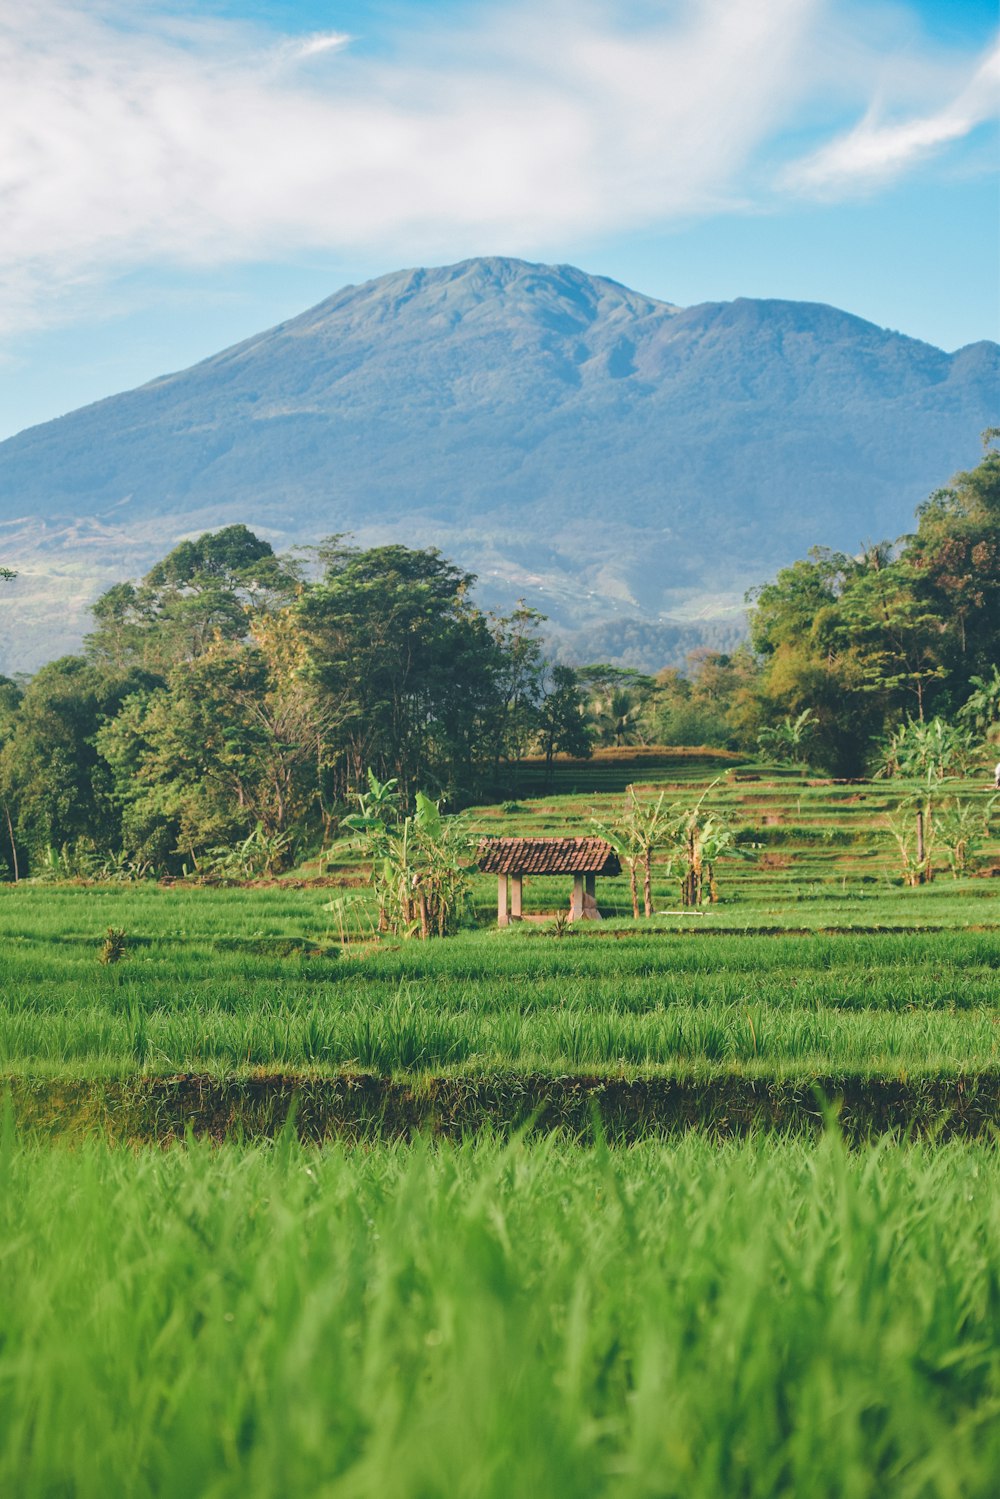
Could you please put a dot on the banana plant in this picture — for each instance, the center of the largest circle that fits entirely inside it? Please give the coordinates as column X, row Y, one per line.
column 787, row 740
column 960, row 829
column 420, row 863
column 934, row 749
column 635, row 834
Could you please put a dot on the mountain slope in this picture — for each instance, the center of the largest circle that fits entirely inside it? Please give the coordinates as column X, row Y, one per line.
column 608, row 456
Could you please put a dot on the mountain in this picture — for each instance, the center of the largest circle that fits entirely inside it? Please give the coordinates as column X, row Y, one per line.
column 628, row 466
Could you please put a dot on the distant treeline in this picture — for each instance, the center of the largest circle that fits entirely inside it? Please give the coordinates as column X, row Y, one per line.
column 236, row 698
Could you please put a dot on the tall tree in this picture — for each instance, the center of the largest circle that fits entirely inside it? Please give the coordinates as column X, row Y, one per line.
column 561, row 718
column 52, row 778
column 205, row 589
column 407, row 664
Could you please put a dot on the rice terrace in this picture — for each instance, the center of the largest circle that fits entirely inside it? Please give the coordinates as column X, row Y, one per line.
column 710, row 1196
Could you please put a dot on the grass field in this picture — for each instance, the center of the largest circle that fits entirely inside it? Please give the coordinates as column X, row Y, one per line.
column 461, row 1289
column 684, row 1321
column 820, row 960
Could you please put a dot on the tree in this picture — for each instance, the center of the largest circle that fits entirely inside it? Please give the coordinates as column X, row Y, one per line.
column 911, row 825
column 714, row 701
column 698, row 837
column 956, row 554
column 932, row 750
column 560, row 718
column 895, row 633
column 808, row 662
column 419, row 864
column 519, row 684
column 789, row 738
column 230, row 742
column 616, row 699
column 960, row 829
column 56, row 787
column 981, row 710
column 408, row 666
column 205, row 589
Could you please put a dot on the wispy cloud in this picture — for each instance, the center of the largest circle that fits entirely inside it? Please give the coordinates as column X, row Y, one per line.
column 136, row 133
column 877, row 150
column 314, row 45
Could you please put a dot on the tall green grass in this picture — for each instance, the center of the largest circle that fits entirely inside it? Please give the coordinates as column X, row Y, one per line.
column 815, row 962
column 224, row 980
column 690, row 1321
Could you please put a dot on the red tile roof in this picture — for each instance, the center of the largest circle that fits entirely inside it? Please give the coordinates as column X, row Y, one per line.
column 547, row 856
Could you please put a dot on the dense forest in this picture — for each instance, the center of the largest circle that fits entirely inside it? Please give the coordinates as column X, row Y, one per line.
column 229, row 705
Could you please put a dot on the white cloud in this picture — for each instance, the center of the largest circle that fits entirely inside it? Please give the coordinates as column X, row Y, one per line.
column 135, row 134
column 129, row 134
column 320, row 41
column 877, row 151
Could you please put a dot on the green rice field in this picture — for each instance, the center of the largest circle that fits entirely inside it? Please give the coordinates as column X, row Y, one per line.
column 815, row 960
column 689, row 1321
column 701, row 1205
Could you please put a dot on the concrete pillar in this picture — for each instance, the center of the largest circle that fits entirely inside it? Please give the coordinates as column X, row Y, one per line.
column 592, row 886
column 502, row 917
column 515, row 897
column 576, row 906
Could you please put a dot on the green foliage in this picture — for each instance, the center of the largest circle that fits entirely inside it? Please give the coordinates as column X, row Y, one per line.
column 789, row 738
column 256, row 856
column 229, row 703
column 561, row 725
column 52, row 778
column 910, row 826
column 931, row 751
column 960, row 830
column 904, row 632
column 205, row 590
column 408, row 666
column 981, row 710
column 419, row 863
column 616, row 701
column 640, row 827
column 713, row 702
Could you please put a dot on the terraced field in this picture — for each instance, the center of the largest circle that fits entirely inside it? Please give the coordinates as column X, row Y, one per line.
column 705, row 1204
column 817, row 969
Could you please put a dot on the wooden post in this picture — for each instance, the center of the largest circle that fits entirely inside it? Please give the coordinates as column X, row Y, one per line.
column 502, row 917
column 921, row 872
column 515, row 897
column 592, row 886
column 576, row 905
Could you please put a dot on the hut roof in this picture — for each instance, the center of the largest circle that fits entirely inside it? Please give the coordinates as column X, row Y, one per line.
column 547, row 856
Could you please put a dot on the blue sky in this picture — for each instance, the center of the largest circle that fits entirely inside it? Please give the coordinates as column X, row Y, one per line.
column 177, row 177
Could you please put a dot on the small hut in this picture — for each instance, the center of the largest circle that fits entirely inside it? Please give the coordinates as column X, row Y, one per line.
column 513, row 859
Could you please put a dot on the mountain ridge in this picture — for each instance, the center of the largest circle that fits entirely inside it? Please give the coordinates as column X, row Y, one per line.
column 610, row 456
